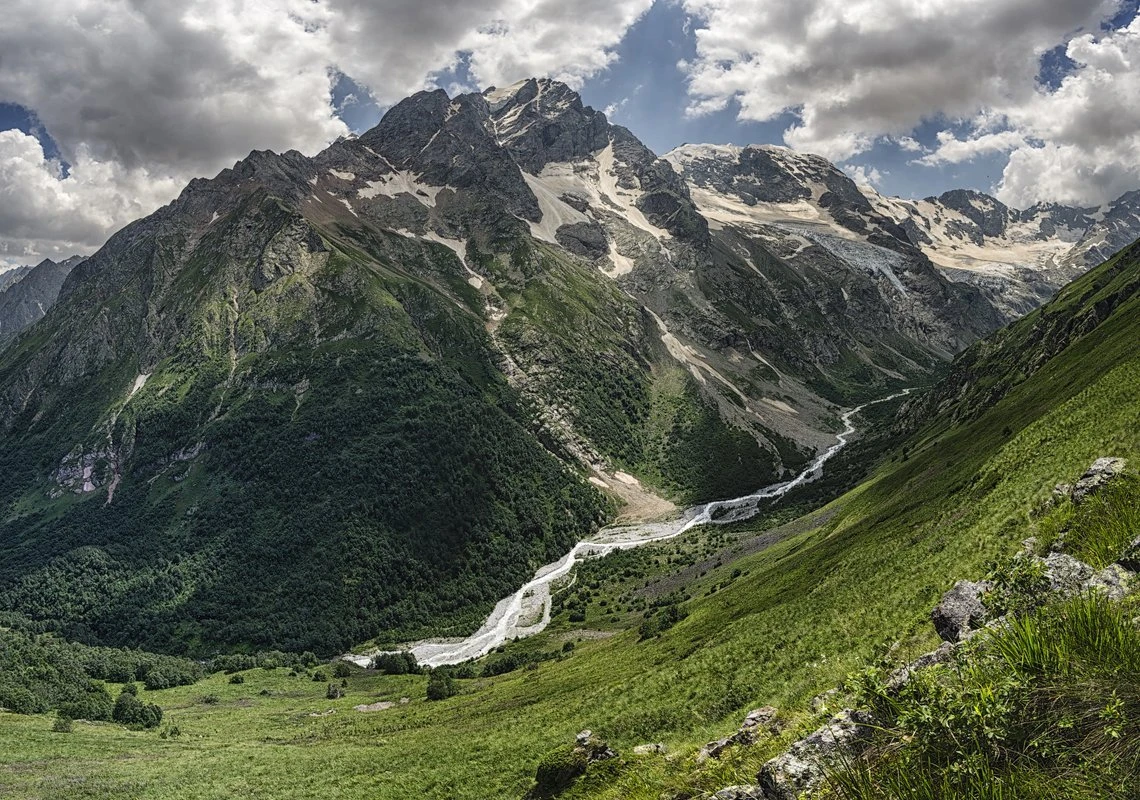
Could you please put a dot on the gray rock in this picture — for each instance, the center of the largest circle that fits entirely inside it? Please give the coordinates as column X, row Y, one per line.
column 1131, row 558
column 960, row 610
column 1101, row 472
column 821, row 701
column 1114, row 582
column 1066, row 575
column 901, row 676
column 713, row 749
column 760, row 718
column 586, row 239
column 757, row 720
column 649, row 749
column 595, row 748
column 26, row 300
column 803, row 767
column 740, row 793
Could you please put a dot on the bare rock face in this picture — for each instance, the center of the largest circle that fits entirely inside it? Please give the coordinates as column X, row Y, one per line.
column 83, row 471
column 960, row 610
column 761, row 719
column 803, row 768
column 1101, row 472
column 26, row 294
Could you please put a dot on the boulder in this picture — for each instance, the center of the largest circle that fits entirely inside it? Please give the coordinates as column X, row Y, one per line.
column 649, row 749
column 563, row 765
column 1066, row 575
column 803, row 768
column 960, row 610
column 1101, row 472
column 1114, row 582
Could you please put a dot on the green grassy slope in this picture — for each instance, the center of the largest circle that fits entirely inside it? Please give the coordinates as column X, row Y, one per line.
column 309, row 464
column 851, row 584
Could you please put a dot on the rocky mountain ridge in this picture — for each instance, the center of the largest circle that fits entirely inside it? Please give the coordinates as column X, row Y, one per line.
column 1018, row 258
column 26, row 293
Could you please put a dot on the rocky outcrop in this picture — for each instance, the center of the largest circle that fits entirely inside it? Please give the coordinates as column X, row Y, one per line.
column 593, row 746
column 1114, row 581
column 82, row 471
column 960, row 610
column 1130, row 560
column 652, row 749
column 758, row 721
column 1095, row 477
column 1066, row 575
column 740, row 793
column 901, row 676
column 803, row 768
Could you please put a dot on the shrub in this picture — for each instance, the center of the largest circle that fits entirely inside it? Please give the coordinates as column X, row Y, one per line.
column 62, row 724
column 402, row 663
column 664, row 619
column 441, row 686
column 94, row 703
column 319, row 677
column 21, row 700
column 334, row 692
column 236, row 679
column 1020, row 585
column 156, row 680
column 129, row 710
column 341, row 670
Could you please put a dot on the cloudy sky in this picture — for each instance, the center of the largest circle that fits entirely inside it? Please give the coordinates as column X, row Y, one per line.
column 108, row 107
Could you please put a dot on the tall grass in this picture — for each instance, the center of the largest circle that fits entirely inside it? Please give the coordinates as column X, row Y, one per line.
column 1105, row 524
column 1046, row 707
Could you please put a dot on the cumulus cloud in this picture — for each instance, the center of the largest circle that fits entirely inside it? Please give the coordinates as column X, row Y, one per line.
column 952, row 150
column 865, row 175
column 156, row 93
column 1083, row 139
column 852, row 71
column 44, row 213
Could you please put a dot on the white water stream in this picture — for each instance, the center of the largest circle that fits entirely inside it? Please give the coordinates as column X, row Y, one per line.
column 527, row 611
